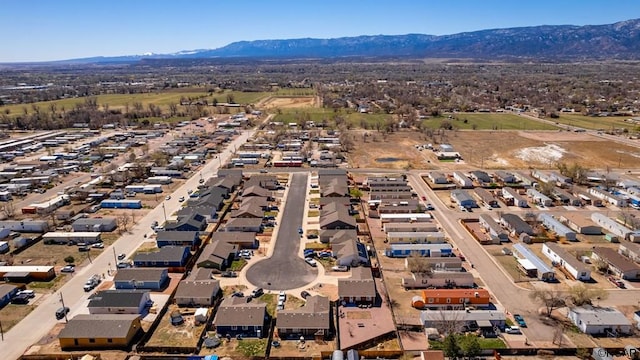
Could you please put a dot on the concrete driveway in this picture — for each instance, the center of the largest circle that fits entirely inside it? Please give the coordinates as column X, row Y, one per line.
column 285, row 270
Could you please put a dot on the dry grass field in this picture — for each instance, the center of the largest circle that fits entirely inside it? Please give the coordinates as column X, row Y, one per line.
column 286, row 102
column 491, row 150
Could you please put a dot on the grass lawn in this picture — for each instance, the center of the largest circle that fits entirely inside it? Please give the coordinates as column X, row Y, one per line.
column 495, row 343
column 314, row 191
column 489, row 121
column 295, row 92
column 237, row 265
column 252, row 347
column 596, row 122
column 11, row 314
column 315, row 246
column 272, row 301
column 313, row 213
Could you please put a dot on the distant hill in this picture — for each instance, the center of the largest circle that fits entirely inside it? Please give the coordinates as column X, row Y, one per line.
column 563, row 42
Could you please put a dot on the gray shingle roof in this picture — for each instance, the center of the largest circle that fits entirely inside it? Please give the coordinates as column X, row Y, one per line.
column 98, row 326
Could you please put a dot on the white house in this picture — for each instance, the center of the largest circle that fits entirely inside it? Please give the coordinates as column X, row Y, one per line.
column 538, row 197
column 511, row 195
column 599, row 321
column 570, row 263
column 438, row 177
column 611, row 225
column 416, row 237
column 462, row 180
column 607, row 197
column 557, row 227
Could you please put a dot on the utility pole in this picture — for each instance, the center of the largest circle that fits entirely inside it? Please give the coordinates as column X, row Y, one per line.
column 64, row 309
column 115, row 257
column 1, row 331
column 164, row 211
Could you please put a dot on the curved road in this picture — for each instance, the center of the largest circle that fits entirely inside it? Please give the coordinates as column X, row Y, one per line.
column 285, row 270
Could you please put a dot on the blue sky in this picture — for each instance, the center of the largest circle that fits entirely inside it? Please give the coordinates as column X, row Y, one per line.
column 40, row 30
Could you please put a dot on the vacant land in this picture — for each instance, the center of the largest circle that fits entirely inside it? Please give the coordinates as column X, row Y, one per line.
column 487, row 121
column 605, row 123
column 283, row 102
column 393, row 151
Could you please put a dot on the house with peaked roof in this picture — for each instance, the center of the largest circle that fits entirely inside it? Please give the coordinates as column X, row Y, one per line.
column 516, row 225
column 100, row 331
column 594, row 320
column 217, row 255
column 106, row 224
column 244, row 224
column 266, row 181
column 360, row 288
column 194, row 293
column 349, row 252
column 330, row 236
column 336, row 217
column 7, row 292
column 190, row 239
column 191, row 222
column 618, row 264
column 452, row 299
column 244, row 239
column 248, row 210
column 236, row 316
column 311, row 320
column 175, row 258
column 256, row 190
column 119, row 302
column 137, row 278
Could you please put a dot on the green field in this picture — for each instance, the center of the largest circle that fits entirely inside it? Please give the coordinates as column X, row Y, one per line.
column 488, row 121
column 119, row 101
column 295, row 92
column 604, row 123
column 318, row 115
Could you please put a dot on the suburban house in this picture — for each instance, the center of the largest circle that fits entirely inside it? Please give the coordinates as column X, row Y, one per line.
column 189, row 239
column 486, row 197
column 580, row 224
column 192, row 222
column 513, row 198
column 428, row 250
column 530, row 264
column 100, row 331
column 244, row 239
column 331, row 236
column 408, row 237
column 174, row 258
column 360, row 288
column 248, row 210
column 451, row 299
column 349, row 252
column 618, row 264
column 600, row 321
column 630, row 250
column 484, row 320
column 106, row 224
column 256, row 190
column 7, row 292
column 462, row 180
column 438, row 178
column 244, row 224
column 538, row 197
column 136, row 278
column 516, row 225
column 312, row 320
column 335, row 217
column 560, row 229
column 611, row 225
column 492, row 228
column 217, row 255
column 193, row 293
column 119, row 302
column 440, row 279
column 236, row 316
column 569, row 263
column 462, row 198
column 505, row 177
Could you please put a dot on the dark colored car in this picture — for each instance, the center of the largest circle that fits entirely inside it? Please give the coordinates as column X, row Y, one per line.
column 21, row 299
column 305, row 294
column 229, row 274
column 61, row 312
column 520, row 320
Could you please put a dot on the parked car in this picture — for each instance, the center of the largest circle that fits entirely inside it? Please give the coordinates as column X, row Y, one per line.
column 304, row 294
column 181, row 199
column 340, row 268
column 512, row 330
column 300, row 231
column 61, row 312
column 123, row 265
column 520, row 320
column 98, row 245
column 263, row 171
column 229, row 274
column 282, row 296
column 312, row 236
column 257, row 292
column 238, row 294
column 430, row 207
column 92, row 282
column 29, row 293
column 168, row 197
column 311, row 262
column 121, row 256
column 20, row 299
column 84, row 249
column 617, row 282
column 68, row 269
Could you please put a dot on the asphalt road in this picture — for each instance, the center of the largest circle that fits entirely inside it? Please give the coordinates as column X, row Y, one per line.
column 285, row 270
column 38, row 323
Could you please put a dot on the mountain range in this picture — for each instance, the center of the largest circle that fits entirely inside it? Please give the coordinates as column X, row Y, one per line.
column 619, row 41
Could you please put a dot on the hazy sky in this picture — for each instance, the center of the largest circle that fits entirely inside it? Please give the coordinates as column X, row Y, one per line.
column 40, row 30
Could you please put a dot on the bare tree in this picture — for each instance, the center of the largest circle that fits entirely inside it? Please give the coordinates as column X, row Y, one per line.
column 9, row 209
column 581, row 295
column 123, row 223
column 550, row 299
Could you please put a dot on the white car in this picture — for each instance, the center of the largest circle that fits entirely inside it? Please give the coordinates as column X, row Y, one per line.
column 168, row 197
column 340, row 268
column 282, row 296
column 311, row 262
column 512, row 330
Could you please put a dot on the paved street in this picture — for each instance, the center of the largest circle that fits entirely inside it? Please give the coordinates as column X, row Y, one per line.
column 38, row 323
column 285, row 270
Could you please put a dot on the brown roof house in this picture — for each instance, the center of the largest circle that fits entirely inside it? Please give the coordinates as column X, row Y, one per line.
column 309, row 321
column 256, row 190
column 360, row 288
column 236, row 316
column 92, row 331
column 618, row 264
column 248, row 210
column 194, row 293
column 335, row 217
column 217, row 255
column 244, row 239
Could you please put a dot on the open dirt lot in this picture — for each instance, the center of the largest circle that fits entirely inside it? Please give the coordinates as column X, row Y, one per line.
column 291, row 102
column 491, row 149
